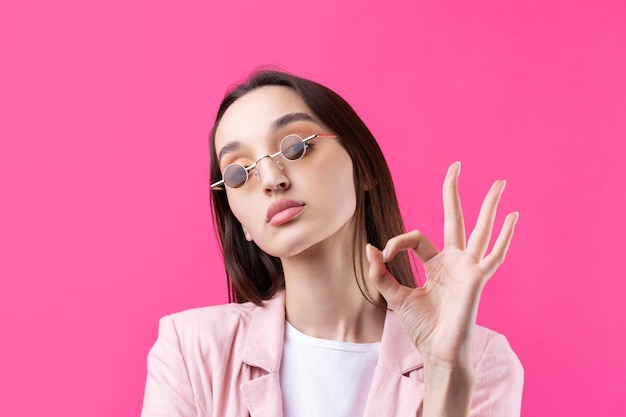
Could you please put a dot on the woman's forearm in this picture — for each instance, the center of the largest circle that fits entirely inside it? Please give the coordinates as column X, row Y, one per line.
column 448, row 389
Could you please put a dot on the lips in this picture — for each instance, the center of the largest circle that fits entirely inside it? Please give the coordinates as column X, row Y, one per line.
column 283, row 210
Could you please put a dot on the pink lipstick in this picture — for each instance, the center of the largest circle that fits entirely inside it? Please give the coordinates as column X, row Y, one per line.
column 283, row 210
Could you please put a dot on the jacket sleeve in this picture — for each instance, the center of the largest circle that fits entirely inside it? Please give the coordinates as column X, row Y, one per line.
column 168, row 387
column 500, row 379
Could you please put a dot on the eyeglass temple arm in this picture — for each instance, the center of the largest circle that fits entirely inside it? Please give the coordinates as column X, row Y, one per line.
column 217, row 185
column 318, row 135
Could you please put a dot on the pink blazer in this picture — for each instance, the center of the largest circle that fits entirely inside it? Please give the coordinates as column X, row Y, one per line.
column 224, row 361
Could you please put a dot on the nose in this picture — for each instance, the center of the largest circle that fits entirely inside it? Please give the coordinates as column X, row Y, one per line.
column 270, row 174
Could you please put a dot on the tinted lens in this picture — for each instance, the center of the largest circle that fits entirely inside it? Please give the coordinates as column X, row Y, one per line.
column 292, row 147
column 235, row 175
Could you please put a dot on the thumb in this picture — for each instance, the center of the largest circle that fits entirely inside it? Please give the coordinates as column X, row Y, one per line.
column 385, row 283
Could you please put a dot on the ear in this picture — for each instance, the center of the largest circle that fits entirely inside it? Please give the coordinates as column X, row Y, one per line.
column 246, row 234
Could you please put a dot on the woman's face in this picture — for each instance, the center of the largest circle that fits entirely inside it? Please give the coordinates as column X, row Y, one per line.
column 311, row 200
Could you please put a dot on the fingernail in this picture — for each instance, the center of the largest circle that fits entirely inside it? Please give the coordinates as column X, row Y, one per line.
column 367, row 252
column 498, row 186
column 385, row 254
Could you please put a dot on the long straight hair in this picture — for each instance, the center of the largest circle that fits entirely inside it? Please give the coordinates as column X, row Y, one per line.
column 252, row 274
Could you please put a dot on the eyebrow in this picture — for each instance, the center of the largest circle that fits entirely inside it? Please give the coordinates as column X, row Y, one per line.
column 290, row 118
column 276, row 125
column 229, row 147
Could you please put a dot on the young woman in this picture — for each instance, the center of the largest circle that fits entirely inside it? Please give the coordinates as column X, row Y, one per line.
column 325, row 323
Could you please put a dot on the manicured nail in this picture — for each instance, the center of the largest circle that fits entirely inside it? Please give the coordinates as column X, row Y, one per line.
column 385, row 254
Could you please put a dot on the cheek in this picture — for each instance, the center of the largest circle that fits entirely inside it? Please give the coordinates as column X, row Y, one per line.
column 240, row 206
column 338, row 190
column 340, row 175
column 336, row 186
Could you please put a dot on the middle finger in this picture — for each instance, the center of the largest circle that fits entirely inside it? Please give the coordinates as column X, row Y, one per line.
column 453, row 226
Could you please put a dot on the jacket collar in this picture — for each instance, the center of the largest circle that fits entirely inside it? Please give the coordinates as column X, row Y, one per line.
column 264, row 344
column 395, row 389
column 263, row 351
column 397, row 352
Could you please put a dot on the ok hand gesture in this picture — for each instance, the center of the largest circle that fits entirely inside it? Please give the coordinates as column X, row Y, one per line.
column 440, row 315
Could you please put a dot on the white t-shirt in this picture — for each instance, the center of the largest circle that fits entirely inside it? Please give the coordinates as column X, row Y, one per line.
column 325, row 378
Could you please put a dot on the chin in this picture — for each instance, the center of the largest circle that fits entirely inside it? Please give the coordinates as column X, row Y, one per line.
column 286, row 249
column 312, row 245
column 300, row 237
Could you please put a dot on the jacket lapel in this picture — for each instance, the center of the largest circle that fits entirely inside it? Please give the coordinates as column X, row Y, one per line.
column 262, row 353
column 262, row 396
column 397, row 387
column 398, row 384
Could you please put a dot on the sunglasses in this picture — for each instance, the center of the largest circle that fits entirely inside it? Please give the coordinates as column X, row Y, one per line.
column 292, row 148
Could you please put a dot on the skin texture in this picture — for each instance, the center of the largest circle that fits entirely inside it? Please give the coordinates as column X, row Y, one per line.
column 322, row 296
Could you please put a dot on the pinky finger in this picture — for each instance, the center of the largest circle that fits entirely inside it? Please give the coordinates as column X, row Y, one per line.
column 492, row 261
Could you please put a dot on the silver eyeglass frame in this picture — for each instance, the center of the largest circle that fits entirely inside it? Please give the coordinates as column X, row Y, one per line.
column 221, row 184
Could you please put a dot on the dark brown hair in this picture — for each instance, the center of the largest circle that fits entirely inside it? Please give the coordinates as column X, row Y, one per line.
column 252, row 274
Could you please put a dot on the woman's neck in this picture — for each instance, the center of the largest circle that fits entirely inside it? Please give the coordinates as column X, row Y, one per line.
column 323, row 298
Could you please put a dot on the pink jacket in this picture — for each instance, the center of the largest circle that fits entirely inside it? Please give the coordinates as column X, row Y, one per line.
column 224, row 361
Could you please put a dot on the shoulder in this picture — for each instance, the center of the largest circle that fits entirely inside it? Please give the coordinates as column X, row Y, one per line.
column 224, row 329
column 207, row 325
column 201, row 343
column 219, row 315
column 194, row 351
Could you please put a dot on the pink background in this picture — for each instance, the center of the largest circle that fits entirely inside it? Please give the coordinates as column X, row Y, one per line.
column 105, row 109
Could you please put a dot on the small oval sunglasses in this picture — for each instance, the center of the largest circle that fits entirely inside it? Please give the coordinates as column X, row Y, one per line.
column 292, row 148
